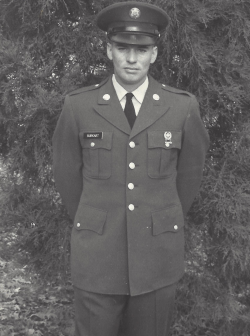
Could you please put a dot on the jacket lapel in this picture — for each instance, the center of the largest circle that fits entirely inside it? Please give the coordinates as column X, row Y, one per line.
column 153, row 108
column 109, row 107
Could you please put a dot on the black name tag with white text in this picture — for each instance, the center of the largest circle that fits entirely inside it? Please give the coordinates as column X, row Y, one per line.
column 93, row 135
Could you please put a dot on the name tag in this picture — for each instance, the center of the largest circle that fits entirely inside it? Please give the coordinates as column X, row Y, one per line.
column 93, row 135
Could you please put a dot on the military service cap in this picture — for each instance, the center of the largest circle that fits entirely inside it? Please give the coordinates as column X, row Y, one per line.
column 133, row 22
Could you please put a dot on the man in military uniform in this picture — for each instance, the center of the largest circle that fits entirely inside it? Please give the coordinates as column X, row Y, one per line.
column 128, row 161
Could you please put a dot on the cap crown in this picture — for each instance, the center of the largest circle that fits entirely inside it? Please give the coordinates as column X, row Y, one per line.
column 124, row 19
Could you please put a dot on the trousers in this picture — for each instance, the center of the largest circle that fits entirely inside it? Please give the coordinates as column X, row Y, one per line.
column 148, row 314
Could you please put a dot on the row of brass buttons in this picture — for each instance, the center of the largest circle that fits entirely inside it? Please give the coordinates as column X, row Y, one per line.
column 131, row 186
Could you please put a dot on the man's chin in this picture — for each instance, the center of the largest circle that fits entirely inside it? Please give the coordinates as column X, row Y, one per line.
column 130, row 79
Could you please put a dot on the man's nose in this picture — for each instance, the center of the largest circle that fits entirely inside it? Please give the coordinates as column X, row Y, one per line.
column 131, row 56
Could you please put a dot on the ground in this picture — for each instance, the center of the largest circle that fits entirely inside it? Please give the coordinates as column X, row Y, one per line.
column 28, row 306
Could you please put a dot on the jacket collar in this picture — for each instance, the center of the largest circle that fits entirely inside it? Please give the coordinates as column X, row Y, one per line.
column 153, row 107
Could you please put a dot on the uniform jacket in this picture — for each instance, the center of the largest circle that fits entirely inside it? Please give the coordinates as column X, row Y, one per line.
column 128, row 191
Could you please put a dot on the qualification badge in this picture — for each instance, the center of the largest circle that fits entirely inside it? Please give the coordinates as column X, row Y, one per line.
column 168, row 138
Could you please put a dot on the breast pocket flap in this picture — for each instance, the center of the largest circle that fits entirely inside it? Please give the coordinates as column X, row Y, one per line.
column 89, row 218
column 102, row 140
column 168, row 220
column 164, row 139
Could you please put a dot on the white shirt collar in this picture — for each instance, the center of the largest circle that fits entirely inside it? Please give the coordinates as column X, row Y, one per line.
column 138, row 93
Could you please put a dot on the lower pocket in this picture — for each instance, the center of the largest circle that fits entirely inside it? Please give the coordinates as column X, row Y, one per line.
column 89, row 218
column 169, row 219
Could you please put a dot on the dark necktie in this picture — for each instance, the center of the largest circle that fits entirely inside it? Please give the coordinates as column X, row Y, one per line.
column 129, row 109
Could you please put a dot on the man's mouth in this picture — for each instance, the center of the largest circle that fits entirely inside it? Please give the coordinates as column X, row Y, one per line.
column 131, row 69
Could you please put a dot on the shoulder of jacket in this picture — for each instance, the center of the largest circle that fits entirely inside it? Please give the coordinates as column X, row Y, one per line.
column 176, row 91
column 87, row 88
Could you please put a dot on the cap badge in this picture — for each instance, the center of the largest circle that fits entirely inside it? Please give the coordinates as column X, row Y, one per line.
column 168, row 138
column 134, row 13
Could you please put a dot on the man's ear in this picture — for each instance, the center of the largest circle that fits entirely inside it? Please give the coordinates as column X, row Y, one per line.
column 109, row 51
column 154, row 54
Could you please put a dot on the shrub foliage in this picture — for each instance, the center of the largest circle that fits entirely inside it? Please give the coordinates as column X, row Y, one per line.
column 48, row 48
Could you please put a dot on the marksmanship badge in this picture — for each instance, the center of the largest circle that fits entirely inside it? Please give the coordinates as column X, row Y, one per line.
column 168, row 138
column 134, row 13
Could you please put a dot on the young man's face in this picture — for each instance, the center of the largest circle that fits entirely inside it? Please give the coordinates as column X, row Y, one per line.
column 131, row 63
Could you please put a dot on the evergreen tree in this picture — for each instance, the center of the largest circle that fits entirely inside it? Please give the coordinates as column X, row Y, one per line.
column 48, row 48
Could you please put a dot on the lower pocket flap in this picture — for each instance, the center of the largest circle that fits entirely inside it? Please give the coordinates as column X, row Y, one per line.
column 89, row 218
column 168, row 220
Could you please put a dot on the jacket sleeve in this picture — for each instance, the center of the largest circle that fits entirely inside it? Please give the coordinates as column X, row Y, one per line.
column 67, row 159
column 191, row 159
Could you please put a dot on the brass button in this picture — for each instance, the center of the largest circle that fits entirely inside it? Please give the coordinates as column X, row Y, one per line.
column 92, row 144
column 132, row 144
column 131, row 165
column 131, row 207
column 131, row 186
column 176, row 227
column 78, row 225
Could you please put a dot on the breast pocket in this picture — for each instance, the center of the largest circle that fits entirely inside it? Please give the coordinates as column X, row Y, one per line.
column 97, row 154
column 163, row 150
